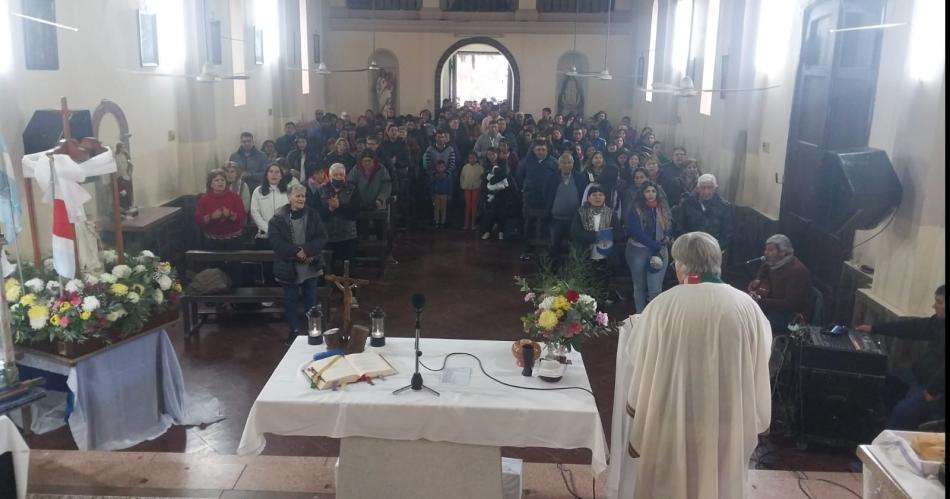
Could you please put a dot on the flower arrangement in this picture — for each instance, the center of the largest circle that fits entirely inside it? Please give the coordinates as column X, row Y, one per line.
column 122, row 298
column 565, row 313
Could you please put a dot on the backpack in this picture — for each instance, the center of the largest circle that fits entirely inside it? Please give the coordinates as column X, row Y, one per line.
column 209, row 281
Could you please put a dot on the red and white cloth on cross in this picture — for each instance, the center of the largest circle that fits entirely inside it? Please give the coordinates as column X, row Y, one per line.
column 64, row 178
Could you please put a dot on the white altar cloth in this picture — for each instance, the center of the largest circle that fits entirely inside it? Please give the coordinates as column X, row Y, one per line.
column 480, row 413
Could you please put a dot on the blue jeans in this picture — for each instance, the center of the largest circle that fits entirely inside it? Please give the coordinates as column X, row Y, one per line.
column 909, row 411
column 646, row 285
column 293, row 302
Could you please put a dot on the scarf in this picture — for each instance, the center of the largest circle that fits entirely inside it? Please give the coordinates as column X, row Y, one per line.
column 587, row 217
column 704, row 277
column 781, row 263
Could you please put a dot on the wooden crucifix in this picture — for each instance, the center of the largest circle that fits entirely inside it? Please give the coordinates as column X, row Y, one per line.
column 349, row 337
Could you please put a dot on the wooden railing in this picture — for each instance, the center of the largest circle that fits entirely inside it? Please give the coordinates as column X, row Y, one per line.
column 571, row 6
column 384, row 4
column 479, row 5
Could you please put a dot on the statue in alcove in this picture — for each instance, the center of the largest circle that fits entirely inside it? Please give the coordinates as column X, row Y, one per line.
column 385, row 91
column 570, row 100
column 124, row 167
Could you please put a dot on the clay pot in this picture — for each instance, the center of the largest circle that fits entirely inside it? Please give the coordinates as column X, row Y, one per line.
column 517, row 347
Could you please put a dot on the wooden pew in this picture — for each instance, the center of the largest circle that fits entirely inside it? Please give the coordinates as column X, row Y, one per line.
column 193, row 316
column 376, row 251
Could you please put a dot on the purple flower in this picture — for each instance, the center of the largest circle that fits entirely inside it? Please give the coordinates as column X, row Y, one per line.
column 529, row 297
column 601, row 318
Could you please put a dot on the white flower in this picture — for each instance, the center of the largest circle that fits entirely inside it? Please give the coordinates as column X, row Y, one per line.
column 52, row 286
column 74, row 286
column 107, row 278
column 546, row 303
column 122, row 271
column 164, row 282
column 138, row 269
column 38, row 322
column 116, row 314
column 147, row 254
column 109, row 256
column 35, row 284
column 134, row 297
column 587, row 300
column 90, row 304
column 48, row 264
column 91, row 280
column 157, row 296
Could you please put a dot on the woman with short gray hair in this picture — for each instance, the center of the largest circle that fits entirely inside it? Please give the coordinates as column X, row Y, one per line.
column 697, row 253
column 297, row 235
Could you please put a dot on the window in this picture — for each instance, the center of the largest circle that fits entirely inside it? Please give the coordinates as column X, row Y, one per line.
column 651, row 55
column 384, row 4
column 478, row 5
column 709, row 56
column 304, row 49
column 237, row 50
column 39, row 40
column 571, row 6
column 682, row 36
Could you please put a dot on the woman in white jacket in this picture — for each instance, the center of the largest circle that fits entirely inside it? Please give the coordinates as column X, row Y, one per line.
column 267, row 198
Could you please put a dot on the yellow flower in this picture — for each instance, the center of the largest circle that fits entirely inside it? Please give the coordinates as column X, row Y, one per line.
column 54, row 320
column 561, row 303
column 13, row 292
column 119, row 289
column 560, row 313
column 64, row 307
column 547, row 320
column 38, row 316
column 27, row 299
column 85, row 315
column 178, row 287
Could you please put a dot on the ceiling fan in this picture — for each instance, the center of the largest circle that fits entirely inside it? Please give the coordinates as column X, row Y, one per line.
column 322, row 68
column 685, row 88
column 207, row 74
column 600, row 75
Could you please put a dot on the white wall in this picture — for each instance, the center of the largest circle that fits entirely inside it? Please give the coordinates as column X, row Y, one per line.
column 180, row 128
column 908, row 122
column 419, row 53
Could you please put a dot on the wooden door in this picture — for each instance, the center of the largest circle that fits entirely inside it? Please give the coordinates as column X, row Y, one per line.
column 832, row 109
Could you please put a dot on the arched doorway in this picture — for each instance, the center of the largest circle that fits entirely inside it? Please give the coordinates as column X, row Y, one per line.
column 453, row 82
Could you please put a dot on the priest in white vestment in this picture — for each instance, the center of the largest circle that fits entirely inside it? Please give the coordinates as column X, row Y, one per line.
column 699, row 393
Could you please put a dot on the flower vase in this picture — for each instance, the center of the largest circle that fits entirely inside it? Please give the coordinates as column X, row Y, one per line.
column 553, row 362
column 517, row 351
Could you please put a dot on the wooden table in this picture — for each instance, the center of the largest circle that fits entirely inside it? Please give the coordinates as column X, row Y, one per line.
column 153, row 228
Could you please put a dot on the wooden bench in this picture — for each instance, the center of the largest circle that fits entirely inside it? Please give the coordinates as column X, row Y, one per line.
column 376, row 251
column 193, row 316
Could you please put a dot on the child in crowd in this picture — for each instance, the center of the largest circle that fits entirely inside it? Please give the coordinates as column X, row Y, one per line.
column 496, row 190
column 237, row 185
column 441, row 187
column 471, row 182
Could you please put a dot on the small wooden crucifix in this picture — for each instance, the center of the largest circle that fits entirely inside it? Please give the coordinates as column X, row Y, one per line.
column 346, row 284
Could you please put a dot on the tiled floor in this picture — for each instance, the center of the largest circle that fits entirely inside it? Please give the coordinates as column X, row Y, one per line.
column 470, row 294
column 273, row 477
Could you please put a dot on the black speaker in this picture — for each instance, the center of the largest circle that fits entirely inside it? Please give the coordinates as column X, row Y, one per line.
column 857, row 189
column 45, row 129
column 839, row 409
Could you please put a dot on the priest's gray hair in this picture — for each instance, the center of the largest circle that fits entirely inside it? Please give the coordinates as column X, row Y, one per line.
column 337, row 166
column 782, row 243
column 295, row 188
column 698, row 253
column 707, row 178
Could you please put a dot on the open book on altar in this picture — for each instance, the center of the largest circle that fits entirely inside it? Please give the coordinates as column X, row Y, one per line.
column 340, row 370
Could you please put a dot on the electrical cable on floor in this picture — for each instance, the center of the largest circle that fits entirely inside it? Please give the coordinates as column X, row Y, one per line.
column 838, row 485
column 802, row 477
column 496, row 380
column 568, row 477
column 804, row 488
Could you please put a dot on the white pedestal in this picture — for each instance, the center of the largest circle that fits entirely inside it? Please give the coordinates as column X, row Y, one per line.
column 371, row 468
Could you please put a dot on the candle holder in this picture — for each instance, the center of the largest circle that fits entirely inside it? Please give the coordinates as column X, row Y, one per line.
column 377, row 330
column 315, row 326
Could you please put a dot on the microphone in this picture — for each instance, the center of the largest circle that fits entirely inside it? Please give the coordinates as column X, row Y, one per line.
column 527, row 355
column 418, row 302
column 756, row 259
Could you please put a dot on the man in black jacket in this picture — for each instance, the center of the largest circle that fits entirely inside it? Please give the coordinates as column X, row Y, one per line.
column 563, row 192
column 915, row 395
column 705, row 211
column 531, row 175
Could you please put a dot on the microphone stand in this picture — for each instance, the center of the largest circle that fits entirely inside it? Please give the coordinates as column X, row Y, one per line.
column 416, row 382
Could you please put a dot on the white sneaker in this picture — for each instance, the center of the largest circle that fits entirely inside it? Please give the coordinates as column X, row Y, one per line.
column 501, row 236
column 486, row 236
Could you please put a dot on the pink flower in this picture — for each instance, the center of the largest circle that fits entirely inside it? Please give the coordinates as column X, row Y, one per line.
column 574, row 330
column 64, row 322
column 75, row 300
column 529, row 297
column 601, row 318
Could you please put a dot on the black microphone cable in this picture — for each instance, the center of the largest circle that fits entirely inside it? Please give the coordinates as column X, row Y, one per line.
column 496, row 380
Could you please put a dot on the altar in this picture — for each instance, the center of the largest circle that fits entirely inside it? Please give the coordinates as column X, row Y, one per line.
column 416, row 444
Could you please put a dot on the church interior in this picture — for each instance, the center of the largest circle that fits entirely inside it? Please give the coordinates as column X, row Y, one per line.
column 172, row 357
